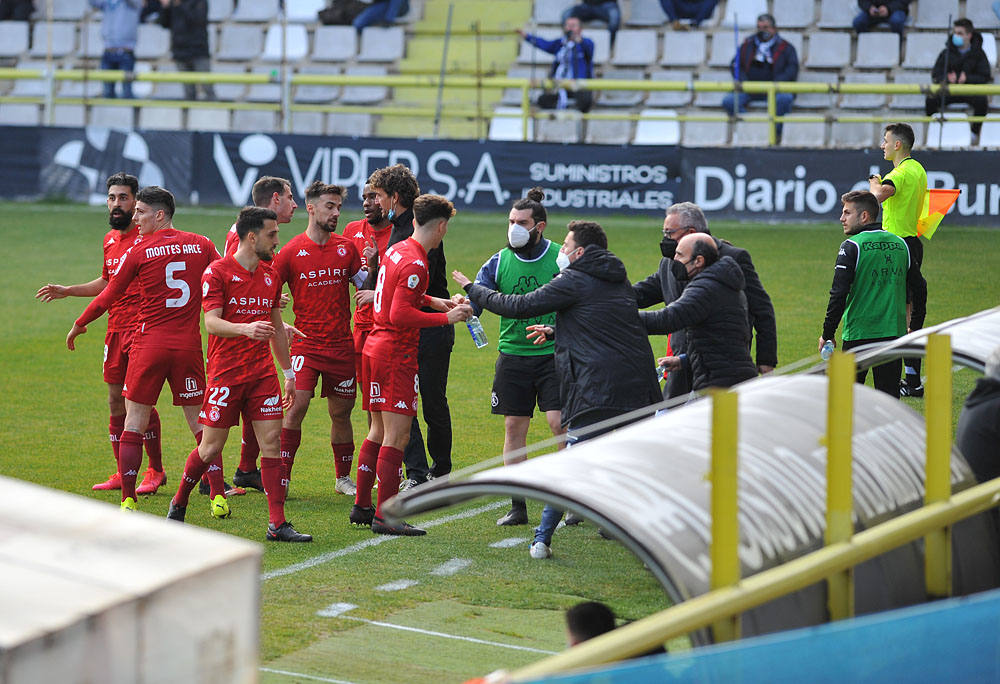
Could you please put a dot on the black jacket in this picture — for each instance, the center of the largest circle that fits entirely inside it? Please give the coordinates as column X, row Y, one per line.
column 978, row 432
column 602, row 355
column 974, row 62
column 784, row 65
column 713, row 309
column 892, row 5
column 188, row 24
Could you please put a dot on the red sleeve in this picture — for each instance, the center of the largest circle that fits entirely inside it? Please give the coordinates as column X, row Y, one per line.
column 126, row 272
column 212, row 296
column 281, row 265
column 406, row 303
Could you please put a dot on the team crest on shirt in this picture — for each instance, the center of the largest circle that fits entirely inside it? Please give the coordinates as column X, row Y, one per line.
column 413, row 281
column 341, row 251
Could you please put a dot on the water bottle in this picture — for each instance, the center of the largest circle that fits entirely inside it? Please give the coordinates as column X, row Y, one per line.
column 477, row 332
column 827, row 351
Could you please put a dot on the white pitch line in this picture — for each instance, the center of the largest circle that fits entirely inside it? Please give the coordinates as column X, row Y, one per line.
column 447, row 636
column 451, row 567
column 372, row 541
column 509, row 542
column 299, row 675
column 397, row 585
column 336, row 609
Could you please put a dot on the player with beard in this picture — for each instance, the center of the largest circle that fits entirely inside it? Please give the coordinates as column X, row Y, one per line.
column 525, row 372
column 240, row 297
column 167, row 264
column 319, row 265
column 122, row 188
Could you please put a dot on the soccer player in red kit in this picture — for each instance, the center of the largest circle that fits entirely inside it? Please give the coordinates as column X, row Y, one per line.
column 122, row 188
column 240, row 297
column 167, row 263
column 319, row 265
column 389, row 366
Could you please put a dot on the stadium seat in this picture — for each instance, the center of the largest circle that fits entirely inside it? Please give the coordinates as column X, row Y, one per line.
column 263, row 92
column 649, row 131
column 529, row 53
column 62, row 10
column 562, row 128
column 69, row 116
column 837, row 14
column 255, row 11
column 877, row 51
column 239, row 43
column 550, row 11
column 744, row 13
column 166, row 90
column 15, row 114
column 91, row 43
column 915, row 101
column 989, row 137
column 255, row 120
column 317, row 94
column 954, row 134
column 512, row 96
column 936, row 14
column 364, row 94
column 608, row 132
column 112, row 116
column 803, row 134
column 142, row 89
column 219, row 10
column 303, row 11
column 296, row 43
column 829, row 50
column 208, row 119
column 670, row 98
column 750, row 134
column 922, row 49
column 87, row 88
column 380, row 44
column 635, row 48
column 602, row 44
column 508, row 127
column 705, row 133
column 621, row 98
column 644, row 13
column 980, row 13
column 853, row 135
column 872, row 101
column 354, row 125
column 794, row 14
column 816, row 100
column 29, row 87
column 230, row 91
column 683, row 48
column 308, row 123
column 990, row 48
column 797, row 41
column 161, row 118
column 709, row 98
column 722, row 51
column 334, row 44
column 13, row 38
column 63, row 39
column 152, row 42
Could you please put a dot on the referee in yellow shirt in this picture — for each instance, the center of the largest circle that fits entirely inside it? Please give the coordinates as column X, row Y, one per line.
column 901, row 192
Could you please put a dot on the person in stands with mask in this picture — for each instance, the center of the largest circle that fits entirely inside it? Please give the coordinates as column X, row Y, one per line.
column 602, row 353
column 712, row 310
column 574, row 59
column 525, row 372
column 963, row 60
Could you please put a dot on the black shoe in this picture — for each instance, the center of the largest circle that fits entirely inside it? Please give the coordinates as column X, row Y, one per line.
column 573, row 519
column 401, row 528
column 176, row 512
column 908, row 390
column 286, row 533
column 362, row 517
column 515, row 516
column 204, row 488
column 248, row 479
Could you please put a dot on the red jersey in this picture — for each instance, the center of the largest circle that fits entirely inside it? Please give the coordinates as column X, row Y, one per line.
column 319, row 277
column 244, row 297
column 232, row 241
column 400, row 291
column 123, row 313
column 361, row 234
column 167, row 265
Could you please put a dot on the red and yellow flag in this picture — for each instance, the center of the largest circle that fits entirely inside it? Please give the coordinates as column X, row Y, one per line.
column 937, row 202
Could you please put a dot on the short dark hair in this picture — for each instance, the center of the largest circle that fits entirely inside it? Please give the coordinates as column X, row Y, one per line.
column 122, row 178
column 396, row 179
column 587, row 620
column 588, row 233
column 863, row 201
column 317, row 189
column 965, row 23
column 769, row 18
column 426, row 208
column 533, row 201
column 157, row 198
column 251, row 220
column 706, row 249
column 265, row 187
column 902, row 132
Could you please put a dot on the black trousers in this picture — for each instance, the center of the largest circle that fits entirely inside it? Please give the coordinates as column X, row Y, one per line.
column 581, row 99
column 886, row 376
column 433, row 359
column 980, row 106
column 916, row 295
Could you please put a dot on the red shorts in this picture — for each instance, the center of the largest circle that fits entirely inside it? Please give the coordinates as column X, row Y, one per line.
column 390, row 385
column 148, row 367
column 337, row 370
column 256, row 400
column 116, row 348
column 360, row 336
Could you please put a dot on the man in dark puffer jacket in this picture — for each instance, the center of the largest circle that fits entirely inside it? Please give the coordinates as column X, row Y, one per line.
column 962, row 61
column 713, row 310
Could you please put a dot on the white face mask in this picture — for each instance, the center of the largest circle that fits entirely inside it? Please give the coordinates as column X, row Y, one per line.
column 562, row 261
column 517, row 235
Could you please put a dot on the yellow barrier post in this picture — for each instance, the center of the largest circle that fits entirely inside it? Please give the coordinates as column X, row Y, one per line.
column 839, row 497
column 724, row 551
column 772, row 111
column 937, row 544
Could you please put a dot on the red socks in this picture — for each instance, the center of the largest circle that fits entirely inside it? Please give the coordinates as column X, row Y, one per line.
column 272, row 476
column 129, row 460
column 116, row 425
column 343, row 456
column 367, row 460
column 389, row 463
column 215, row 479
column 152, row 441
column 290, row 440
column 249, row 449
column 194, row 468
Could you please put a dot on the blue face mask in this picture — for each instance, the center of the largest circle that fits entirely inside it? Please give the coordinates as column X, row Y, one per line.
column 957, row 40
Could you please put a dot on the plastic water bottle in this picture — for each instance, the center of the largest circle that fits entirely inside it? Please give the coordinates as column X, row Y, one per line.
column 477, row 332
column 827, row 351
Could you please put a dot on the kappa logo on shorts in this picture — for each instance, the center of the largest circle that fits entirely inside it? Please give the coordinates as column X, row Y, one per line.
column 272, row 401
column 201, row 414
column 190, row 384
column 302, row 252
column 494, row 400
column 213, row 414
column 402, row 405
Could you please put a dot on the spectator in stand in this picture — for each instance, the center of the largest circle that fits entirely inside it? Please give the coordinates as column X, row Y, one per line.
column 695, row 10
column 188, row 24
column 118, row 30
column 574, row 59
column 962, row 61
column 599, row 10
column 16, row 10
column 874, row 12
column 764, row 56
column 385, row 12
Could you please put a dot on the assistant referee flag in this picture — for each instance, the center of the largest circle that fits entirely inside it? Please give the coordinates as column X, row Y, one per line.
column 937, row 202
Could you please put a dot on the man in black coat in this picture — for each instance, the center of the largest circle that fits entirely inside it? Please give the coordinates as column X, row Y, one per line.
column 683, row 219
column 712, row 309
column 962, row 61
column 188, row 24
column 874, row 12
column 978, row 432
column 602, row 353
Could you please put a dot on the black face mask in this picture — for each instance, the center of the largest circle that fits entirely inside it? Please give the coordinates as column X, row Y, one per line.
column 680, row 272
column 668, row 246
column 764, row 36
